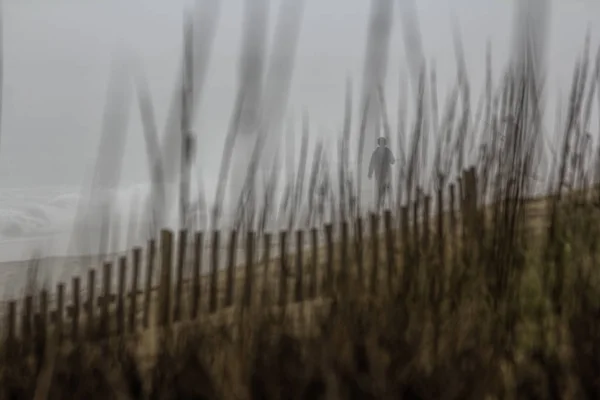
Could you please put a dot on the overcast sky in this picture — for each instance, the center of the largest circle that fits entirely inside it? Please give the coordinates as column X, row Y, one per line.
column 57, row 55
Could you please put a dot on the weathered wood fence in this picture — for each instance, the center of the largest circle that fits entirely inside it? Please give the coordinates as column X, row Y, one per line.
column 372, row 252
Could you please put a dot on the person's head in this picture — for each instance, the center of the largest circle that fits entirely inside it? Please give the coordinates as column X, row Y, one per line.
column 381, row 141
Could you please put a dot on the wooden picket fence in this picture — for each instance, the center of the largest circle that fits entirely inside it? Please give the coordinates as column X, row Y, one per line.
column 278, row 279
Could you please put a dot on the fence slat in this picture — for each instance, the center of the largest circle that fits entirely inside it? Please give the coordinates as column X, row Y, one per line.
column 266, row 279
column 133, row 300
column 121, row 295
column 90, row 302
column 441, row 233
column 11, row 323
column 477, row 223
column 230, row 284
column 44, row 313
column 105, row 299
column 466, row 217
column 426, row 224
column 360, row 255
column 39, row 331
column 453, row 227
column 214, row 271
column 76, row 304
column 389, row 248
column 298, row 292
column 415, row 233
column 314, row 262
column 26, row 325
column 149, row 275
column 283, row 268
column 461, row 207
column 374, row 252
column 474, row 187
column 249, row 273
column 406, row 246
column 326, row 283
column 181, row 251
column 343, row 268
column 474, row 224
column 166, row 264
column 60, row 311
column 197, row 265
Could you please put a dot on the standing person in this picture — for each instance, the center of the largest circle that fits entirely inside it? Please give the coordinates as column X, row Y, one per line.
column 381, row 162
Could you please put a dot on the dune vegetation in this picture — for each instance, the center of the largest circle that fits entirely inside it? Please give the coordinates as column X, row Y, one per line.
column 507, row 306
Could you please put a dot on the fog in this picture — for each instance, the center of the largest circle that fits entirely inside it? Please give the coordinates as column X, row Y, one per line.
column 57, row 56
column 58, row 60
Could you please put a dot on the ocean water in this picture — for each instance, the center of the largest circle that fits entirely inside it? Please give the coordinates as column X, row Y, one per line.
column 43, row 219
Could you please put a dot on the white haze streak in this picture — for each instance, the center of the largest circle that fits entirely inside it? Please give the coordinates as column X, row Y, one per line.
column 375, row 68
column 253, row 53
column 95, row 224
column 272, row 97
column 206, row 15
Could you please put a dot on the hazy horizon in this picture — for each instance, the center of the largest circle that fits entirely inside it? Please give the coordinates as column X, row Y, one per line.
column 57, row 57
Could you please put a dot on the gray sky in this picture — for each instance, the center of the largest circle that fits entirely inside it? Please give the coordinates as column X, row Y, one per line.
column 58, row 52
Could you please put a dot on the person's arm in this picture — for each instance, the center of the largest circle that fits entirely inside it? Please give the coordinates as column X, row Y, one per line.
column 392, row 159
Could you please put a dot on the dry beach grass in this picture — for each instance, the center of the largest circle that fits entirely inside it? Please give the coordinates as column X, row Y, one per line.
column 491, row 311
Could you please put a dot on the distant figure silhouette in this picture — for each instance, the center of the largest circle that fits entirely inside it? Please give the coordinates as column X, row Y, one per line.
column 381, row 162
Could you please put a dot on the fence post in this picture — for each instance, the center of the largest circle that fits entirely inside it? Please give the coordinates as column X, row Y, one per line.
column 374, row 252
column 44, row 313
column 266, row 284
column 39, row 329
column 453, row 226
column 104, row 322
column 283, row 268
column 475, row 223
column 327, row 281
column 137, row 257
column 461, row 193
column 60, row 310
column 11, row 324
column 464, row 217
column 343, row 269
column 197, row 263
column 121, row 295
column 298, row 292
column 478, row 215
column 314, row 244
column 230, row 284
column 415, row 226
column 90, row 302
column 75, row 316
column 214, row 271
column 249, row 273
column 480, row 187
column 149, row 275
column 406, row 247
column 26, row 327
column 181, row 248
column 467, row 217
column 441, row 234
column 473, row 187
column 427, row 224
column 166, row 263
column 359, row 245
column 389, row 245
